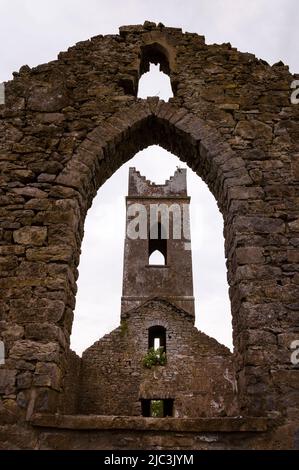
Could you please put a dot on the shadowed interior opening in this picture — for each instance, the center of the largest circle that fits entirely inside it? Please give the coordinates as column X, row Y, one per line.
column 157, row 337
column 157, row 408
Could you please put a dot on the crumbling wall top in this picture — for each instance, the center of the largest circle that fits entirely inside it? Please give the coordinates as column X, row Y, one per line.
column 176, row 185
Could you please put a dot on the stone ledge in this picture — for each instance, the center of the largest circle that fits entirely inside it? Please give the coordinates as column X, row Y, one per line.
column 138, row 423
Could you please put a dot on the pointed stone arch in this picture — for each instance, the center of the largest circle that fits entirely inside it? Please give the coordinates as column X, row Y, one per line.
column 150, row 122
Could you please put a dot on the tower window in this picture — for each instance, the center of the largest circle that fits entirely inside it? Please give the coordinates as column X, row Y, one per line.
column 157, row 408
column 157, row 246
column 157, row 258
column 157, row 337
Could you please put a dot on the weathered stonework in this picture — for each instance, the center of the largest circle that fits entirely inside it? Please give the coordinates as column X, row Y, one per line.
column 167, row 204
column 198, row 374
column 67, row 126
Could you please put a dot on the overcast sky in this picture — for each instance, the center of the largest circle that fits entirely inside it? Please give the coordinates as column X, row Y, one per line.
column 35, row 31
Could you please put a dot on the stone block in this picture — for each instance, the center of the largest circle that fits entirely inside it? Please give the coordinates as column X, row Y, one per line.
column 259, row 224
column 37, row 310
column 30, row 235
column 27, row 350
column 48, row 99
column 50, row 253
column 47, row 375
column 30, row 191
column 254, row 129
column 45, row 331
column 294, row 226
column 24, row 380
column 250, row 255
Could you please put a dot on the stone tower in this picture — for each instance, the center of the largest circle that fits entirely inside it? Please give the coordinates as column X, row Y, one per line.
column 157, row 219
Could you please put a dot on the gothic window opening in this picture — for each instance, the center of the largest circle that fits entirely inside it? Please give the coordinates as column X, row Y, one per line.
column 157, row 246
column 157, row 337
column 157, row 259
column 157, row 408
column 155, row 72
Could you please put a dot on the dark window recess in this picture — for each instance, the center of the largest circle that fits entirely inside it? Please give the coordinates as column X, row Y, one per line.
column 128, row 85
column 154, row 54
column 157, row 337
column 146, row 408
column 157, row 408
column 159, row 243
column 168, row 407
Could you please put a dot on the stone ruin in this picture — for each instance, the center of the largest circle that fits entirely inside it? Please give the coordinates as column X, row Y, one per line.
column 198, row 378
column 65, row 128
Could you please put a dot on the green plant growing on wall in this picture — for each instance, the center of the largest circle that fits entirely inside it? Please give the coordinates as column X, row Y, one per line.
column 157, row 409
column 154, row 357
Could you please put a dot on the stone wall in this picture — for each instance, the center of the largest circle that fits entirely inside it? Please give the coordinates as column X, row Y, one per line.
column 68, row 125
column 56, row 432
column 106, row 432
column 199, row 373
column 69, row 399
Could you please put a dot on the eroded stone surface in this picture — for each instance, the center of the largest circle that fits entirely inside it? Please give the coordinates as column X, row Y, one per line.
column 199, row 374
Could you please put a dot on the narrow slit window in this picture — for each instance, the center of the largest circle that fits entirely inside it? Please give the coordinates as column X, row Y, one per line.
column 157, row 408
column 157, row 337
column 157, row 343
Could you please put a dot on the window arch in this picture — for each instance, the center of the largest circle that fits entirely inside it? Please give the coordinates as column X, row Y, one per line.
column 154, row 53
column 157, row 259
column 154, row 72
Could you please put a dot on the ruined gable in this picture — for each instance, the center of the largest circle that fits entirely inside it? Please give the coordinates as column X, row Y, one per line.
column 66, row 127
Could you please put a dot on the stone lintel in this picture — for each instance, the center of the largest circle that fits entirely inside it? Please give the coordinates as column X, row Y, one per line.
column 97, row 422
